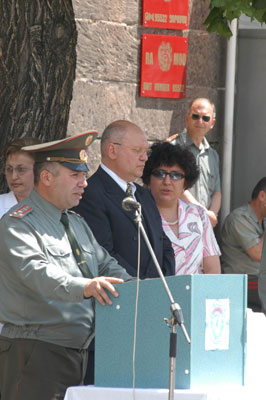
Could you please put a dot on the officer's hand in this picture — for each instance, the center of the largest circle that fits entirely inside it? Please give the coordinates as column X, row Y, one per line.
column 97, row 288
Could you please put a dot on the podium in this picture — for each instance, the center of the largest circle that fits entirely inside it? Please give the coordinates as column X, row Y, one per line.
column 214, row 309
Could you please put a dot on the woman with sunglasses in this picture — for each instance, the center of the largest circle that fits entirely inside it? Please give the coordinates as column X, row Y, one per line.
column 169, row 171
column 18, row 171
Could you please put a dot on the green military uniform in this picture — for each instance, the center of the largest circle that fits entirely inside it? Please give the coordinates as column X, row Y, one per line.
column 46, row 301
column 208, row 161
column 41, row 286
column 46, row 324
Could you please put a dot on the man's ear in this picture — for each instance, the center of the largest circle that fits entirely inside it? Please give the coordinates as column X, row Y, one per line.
column 46, row 177
column 213, row 123
column 112, row 151
column 262, row 196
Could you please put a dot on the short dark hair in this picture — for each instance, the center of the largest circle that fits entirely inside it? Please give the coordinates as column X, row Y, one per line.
column 165, row 153
column 15, row 145
column 51, row 166
column 261, row 185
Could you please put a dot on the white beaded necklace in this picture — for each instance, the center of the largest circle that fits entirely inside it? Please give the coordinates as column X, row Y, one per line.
column 172, row 223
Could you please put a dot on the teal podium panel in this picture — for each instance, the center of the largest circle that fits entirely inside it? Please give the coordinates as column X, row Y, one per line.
column 214, row 310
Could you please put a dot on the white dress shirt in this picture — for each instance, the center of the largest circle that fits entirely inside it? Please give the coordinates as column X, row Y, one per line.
column 7, row 201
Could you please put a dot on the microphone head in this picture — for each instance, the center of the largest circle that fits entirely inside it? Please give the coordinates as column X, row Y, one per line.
column 129, row 204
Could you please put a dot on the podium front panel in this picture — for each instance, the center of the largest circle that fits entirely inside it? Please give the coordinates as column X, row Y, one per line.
column 214, row 310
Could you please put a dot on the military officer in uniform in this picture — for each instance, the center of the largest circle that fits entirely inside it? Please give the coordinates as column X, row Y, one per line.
column 51, row 271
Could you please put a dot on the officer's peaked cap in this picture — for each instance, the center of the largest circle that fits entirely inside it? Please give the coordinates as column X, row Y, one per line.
column 70, row 152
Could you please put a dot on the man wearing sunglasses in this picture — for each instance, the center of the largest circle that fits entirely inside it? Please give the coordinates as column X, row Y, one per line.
column 200, row 119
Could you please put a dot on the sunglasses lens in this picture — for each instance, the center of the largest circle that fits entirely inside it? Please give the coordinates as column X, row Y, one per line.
column 158, row 173
column 176, row 176
column 195, row 116
column 161, row 174
column 205, row 118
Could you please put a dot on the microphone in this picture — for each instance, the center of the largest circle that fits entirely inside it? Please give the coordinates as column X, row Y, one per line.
column 129, row 204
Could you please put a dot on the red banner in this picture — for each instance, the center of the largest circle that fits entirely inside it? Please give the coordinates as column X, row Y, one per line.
column 167, row 14
column 163, row 66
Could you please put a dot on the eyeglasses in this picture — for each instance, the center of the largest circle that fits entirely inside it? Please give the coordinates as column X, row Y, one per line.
column 205, row 118
column 18, row 170
column 137, row 150
column 161, row 174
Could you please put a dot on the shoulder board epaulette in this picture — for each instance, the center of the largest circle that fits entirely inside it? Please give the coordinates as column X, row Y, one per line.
column 21, row 211
column 173, row 137
column 73, row 212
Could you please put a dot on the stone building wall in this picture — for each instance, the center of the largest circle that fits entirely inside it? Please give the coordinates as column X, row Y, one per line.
column 108, row 71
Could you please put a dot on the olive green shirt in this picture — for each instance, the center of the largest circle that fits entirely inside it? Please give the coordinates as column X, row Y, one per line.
column 241, row 231
column 262, row 277
column 41, row 285
column 208, row 162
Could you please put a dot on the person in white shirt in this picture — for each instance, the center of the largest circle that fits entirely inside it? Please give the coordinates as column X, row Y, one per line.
column 18, row 172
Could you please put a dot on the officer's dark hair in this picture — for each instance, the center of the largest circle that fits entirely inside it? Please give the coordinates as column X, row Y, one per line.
column 40, row 166
column 165, row 153
column 261, row 185
column 15, row 145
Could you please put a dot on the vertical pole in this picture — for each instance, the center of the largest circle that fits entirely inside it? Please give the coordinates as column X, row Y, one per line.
column 229, row 122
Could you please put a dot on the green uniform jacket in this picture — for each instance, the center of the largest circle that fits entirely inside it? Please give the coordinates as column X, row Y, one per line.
column 41, row 285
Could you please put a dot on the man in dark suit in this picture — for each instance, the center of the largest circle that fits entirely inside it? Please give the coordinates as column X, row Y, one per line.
column 124, row 150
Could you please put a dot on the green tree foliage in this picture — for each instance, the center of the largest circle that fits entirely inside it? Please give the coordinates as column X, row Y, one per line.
column 222, row 12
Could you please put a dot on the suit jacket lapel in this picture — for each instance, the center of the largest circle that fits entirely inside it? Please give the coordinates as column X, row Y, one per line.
column 147, row 220
column 115, row 193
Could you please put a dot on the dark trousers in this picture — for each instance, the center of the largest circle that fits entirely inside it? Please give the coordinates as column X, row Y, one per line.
column 89, row 377
column 35, row 370
column 253, row 294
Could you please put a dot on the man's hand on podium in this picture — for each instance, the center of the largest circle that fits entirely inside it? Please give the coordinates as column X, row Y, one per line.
column 96, row 288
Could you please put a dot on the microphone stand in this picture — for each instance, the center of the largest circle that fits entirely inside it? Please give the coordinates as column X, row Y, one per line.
column 177, row 315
